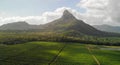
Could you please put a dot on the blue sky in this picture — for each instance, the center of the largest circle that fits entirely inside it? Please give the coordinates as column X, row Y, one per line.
column 35, row 7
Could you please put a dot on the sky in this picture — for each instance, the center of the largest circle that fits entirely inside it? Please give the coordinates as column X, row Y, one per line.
column 33, row 7
column 94, row 12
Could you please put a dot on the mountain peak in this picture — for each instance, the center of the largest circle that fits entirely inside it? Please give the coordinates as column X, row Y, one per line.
column 67, row 15
column 66, row 11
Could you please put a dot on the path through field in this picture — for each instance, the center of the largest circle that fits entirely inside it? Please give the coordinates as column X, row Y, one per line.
column 55, row 58
column 90, row 51
column 56, row 53
column 74, row 54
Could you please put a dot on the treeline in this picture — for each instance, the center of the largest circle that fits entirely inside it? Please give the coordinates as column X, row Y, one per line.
column 22, row 37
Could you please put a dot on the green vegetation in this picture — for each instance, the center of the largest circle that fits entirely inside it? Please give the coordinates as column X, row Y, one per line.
column 75, row 54
column 34, row 53
column 105, row 56
column 22, row 37
column 62, row 46
column 50, row 53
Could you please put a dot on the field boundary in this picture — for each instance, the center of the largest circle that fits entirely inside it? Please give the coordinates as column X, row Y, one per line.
column 94, row 57
column 57, row 55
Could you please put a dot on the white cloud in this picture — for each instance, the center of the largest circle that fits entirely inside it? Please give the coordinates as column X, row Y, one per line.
column 97, row 12
column 101, row 11
column 44, row 18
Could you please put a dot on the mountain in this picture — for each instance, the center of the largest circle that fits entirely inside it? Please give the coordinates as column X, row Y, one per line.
column 67, row 25
column 108, row 28
column 21, row 25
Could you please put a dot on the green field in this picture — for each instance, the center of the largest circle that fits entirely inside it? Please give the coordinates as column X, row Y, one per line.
column 56, row 53
column 108, row 55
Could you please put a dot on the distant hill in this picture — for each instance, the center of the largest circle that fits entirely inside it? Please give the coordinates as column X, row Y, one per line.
column 108, row 28
column 67, row 25
column 21, row 25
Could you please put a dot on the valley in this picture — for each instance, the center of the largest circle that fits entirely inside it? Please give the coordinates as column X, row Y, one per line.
column 65, row 41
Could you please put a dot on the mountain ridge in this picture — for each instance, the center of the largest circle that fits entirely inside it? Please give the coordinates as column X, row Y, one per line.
column 67, row 23
column 108, row 28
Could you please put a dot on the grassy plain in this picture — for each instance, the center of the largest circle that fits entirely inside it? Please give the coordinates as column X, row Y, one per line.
column 57, row 53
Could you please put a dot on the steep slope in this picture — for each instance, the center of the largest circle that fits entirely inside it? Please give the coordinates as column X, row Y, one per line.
column 108, row 28
column 68, row 23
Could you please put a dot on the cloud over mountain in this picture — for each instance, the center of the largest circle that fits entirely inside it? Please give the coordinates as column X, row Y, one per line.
column 42, row 19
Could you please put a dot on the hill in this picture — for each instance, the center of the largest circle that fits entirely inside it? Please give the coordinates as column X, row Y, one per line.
column 20, row 25
column 108, row 28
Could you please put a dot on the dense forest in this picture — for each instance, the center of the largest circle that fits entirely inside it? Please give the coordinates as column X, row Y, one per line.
column 21, row 37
